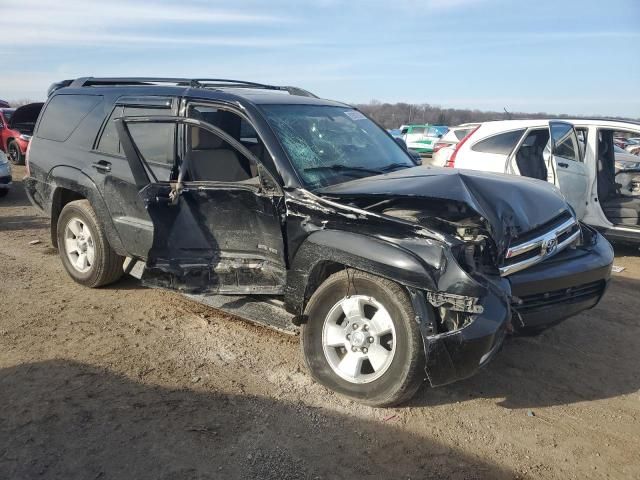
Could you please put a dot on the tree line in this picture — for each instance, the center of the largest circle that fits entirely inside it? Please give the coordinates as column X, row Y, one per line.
column 392, row 115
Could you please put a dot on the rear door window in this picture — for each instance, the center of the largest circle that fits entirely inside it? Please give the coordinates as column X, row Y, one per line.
column 109, row 141
column 501, row 144
column 156, row 142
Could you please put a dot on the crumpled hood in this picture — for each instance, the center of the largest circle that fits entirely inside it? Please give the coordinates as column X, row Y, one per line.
column 512, row 205
column 26, row 115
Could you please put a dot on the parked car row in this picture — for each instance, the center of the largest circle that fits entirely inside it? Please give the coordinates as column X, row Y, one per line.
column 299, row 212
column 422, row 137
column 16, row 128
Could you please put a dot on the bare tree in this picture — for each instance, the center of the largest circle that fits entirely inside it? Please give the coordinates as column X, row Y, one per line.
column 392, row 115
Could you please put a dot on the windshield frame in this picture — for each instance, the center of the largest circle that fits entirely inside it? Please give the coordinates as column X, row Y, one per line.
column 403, row 154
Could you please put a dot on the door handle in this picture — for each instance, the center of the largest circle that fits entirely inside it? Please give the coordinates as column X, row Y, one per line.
column 563, row 165
column 102, row 166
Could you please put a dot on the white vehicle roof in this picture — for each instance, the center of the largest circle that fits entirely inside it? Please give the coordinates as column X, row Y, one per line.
column 507, row 125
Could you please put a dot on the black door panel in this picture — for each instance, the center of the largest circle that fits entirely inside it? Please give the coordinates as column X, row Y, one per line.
column 210, row 237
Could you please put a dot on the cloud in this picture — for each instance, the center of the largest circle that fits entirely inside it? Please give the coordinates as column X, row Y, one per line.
column 86, row 37
column 119, row 23
column 143, row 12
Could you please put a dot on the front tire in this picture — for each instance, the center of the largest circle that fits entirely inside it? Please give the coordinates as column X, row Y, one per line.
column 361, row 339
column 84, row 249
column 14, row 154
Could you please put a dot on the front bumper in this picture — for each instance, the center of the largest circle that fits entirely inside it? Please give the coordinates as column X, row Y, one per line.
column 453, row 356
column 528, row 301
column 562, row 286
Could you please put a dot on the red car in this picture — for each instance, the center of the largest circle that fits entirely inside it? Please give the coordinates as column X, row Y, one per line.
column 16, row 128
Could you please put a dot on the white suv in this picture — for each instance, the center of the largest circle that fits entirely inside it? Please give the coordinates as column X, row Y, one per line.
column 577, row 156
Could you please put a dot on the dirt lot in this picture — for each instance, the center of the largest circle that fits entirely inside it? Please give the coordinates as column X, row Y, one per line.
column 126, row 382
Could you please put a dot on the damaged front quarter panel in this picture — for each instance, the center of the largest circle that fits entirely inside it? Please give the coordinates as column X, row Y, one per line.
column 462, row 318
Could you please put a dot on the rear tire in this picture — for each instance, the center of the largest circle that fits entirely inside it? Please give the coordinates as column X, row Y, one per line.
column 381, row 362
column 14, row 154
column 4, row 192
column 83, row 247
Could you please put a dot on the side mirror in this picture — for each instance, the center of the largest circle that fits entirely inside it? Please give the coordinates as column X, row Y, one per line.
column 401, row 142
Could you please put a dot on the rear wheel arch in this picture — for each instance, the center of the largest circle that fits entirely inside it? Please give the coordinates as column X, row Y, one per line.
column 67, row 184
column 61, row 196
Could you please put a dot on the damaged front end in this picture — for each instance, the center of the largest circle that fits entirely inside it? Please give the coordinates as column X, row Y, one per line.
column 483, row 241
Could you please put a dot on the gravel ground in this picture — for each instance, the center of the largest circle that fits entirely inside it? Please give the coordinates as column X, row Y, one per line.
column 127, row 382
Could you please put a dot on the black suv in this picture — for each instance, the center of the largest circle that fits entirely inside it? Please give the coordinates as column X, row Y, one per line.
column 291, row 210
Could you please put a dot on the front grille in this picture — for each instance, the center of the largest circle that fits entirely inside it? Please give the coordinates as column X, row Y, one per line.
column 530, row 303
column 540, row 244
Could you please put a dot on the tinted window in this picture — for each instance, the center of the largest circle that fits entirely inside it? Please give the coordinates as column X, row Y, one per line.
column 463, row 132
column 501, row 144
column 63, row 115
column 417, row 130
column 155, row 141
column 109, row 141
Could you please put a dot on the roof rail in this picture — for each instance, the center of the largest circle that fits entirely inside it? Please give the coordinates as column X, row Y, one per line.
column 210, row 83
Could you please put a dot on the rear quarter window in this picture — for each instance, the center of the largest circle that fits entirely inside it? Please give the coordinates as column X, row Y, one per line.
column 63, row 114
column 460, row 134
column 501, row 144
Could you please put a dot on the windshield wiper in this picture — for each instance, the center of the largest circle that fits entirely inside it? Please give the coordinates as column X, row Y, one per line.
column 394, row 166
column 337, row 167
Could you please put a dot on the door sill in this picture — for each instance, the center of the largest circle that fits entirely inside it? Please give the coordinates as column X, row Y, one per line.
column 262, row 310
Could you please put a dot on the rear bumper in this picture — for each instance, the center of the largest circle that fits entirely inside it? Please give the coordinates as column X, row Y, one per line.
column 566, row 284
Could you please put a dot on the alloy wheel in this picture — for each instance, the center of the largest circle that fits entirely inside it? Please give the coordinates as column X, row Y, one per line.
column 359, row 339
column 79, row 245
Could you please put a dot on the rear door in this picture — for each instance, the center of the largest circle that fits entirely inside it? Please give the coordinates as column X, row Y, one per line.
column 111, row 171
column 217, row 223
column 568, row 170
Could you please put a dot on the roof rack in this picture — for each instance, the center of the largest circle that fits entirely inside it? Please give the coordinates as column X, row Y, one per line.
column 209, row 83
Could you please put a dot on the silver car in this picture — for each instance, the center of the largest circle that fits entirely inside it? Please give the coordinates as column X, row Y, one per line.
column 5, row 175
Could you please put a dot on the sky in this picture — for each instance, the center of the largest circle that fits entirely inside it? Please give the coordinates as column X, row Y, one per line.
column 557, row 56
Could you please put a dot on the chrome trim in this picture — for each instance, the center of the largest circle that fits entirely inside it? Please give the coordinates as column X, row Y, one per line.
column 547, row 243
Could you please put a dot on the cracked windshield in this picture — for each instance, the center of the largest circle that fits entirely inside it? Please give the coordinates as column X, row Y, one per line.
column 329, row 145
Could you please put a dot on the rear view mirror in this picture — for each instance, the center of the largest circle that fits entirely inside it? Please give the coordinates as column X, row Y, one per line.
column 401, row 142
